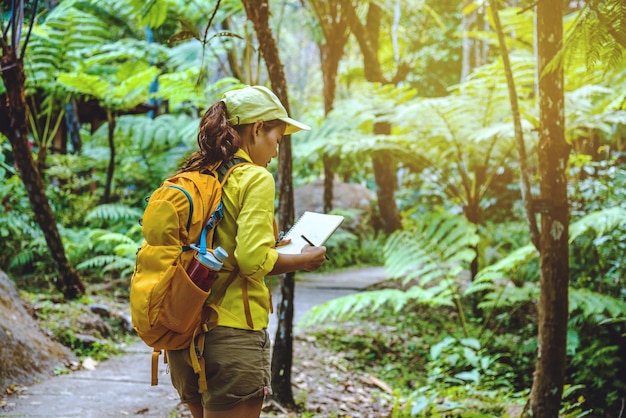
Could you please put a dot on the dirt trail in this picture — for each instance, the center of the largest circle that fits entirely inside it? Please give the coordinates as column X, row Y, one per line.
column 121, row 386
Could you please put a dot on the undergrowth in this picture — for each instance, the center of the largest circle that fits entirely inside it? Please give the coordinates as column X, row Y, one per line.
column 91, row 327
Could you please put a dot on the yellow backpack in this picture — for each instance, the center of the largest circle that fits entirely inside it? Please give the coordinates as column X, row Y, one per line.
column 167, row 309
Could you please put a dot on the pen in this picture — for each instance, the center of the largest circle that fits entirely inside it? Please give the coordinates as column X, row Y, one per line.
column 313, row 245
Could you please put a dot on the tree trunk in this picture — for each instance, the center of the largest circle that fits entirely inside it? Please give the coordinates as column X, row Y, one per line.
column 529, row 210
column 335, row 30
column 384, row 165
column 547, row 389
column 385, row 177
column 68, row 282
column 282, row 355
column 111, row 119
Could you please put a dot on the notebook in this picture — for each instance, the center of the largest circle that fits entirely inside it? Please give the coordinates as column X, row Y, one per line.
column 316, row 227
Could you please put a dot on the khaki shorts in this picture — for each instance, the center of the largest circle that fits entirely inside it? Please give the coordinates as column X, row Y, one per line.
column 237, row 368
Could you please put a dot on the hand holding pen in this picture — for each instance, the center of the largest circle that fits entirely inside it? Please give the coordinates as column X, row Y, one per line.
column 308, row 241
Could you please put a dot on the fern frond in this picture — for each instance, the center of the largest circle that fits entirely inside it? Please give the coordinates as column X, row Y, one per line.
column 97, row 262
column 113, row 212
column 119, row 264
column 432, row 246
column 503, row 269
column 54, row 44
column 601, row 222
column 117, row 238
column 181, row 87
column 593, row 304
column 370, row 302
column 509, row 296
column 595, row 37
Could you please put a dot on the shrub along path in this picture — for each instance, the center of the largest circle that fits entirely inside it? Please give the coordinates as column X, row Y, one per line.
column 121, row 386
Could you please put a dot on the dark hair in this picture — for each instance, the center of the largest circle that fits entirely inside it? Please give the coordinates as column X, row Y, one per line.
column 218, row 139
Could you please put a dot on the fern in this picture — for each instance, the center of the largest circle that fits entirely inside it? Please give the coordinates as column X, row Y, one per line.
column 54, row 44
column 502, row 269
column 433, row 250
column 509, row 296
column 434, row 247
column 369, row 302
column 596, row 305
column 602, row 222
column 594, row 108
column 113, row 212
column 108, row 263
column 595, row 36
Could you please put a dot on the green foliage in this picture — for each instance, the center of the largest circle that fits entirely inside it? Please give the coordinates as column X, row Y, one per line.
column 152, row 148
column 112, row 253
column 596, row 35
column 596, row 303
column 18, row 230
column 598, row 184
column 56, row 44
column 113, row 212
column 598, row 245
column 458, row 362
column 430, row 249
column 346, row 133
column 74, row 325
column 355, row 243
column 594, row 114
column 499, row 239
column 425, row 258
column 127, row 89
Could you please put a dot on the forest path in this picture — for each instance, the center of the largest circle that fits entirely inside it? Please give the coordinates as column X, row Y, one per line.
column 121, row 386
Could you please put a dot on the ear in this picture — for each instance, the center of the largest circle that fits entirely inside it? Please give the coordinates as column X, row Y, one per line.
column 256, row 128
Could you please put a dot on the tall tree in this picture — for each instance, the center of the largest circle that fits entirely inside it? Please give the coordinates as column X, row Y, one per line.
column 335, row 36
column 545, row 396
column 525, row 188
column 367, row 35
column 14, row 126
column 474, row 50
column 258, row 13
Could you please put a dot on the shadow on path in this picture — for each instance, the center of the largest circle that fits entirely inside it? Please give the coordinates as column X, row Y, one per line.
column 121, row 386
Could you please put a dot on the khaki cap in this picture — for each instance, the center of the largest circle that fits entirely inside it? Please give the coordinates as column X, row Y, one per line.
column 251, row 104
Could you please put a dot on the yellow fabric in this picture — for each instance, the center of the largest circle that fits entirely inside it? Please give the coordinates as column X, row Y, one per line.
column 247, row 234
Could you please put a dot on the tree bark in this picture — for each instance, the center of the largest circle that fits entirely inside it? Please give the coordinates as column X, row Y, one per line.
column 282, row 355
column 68, row 282
column 547, row 388
column 335, row 31
column 384, row 165
column 385, row 177
column 111, row 119
column 529, row 210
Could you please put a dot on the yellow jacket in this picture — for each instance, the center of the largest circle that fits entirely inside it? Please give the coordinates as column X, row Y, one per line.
column 247, row 234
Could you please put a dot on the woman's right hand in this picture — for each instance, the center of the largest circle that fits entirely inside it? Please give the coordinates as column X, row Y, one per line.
column 315, row 257
column 310, row 259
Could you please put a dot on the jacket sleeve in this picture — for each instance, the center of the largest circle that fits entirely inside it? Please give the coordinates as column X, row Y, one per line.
column 254, row 250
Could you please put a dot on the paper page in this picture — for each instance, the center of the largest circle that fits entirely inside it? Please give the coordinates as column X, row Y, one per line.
column 317, row 227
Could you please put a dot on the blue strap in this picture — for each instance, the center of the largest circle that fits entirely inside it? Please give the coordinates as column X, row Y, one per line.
column 214, row 219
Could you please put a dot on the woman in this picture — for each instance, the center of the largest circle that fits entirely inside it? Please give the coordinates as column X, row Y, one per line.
column 248, row 123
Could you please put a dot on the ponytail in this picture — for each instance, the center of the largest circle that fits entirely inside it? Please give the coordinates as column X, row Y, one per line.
column 217, row 140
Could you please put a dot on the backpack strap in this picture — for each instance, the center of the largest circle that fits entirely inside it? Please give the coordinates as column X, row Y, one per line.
column 223, row 171
column 155, row 367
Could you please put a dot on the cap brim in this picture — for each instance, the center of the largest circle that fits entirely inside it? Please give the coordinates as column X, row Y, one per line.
column 294, row 126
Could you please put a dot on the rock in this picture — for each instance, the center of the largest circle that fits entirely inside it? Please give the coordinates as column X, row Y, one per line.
column 346, row 196
column 26, row 352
